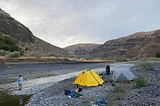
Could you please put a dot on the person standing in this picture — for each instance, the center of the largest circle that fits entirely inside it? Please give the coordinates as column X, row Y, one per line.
column 108, row 72
column 20, row 81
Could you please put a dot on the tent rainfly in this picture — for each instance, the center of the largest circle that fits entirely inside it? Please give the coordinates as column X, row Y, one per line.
column 88, row 78
column 123, row 75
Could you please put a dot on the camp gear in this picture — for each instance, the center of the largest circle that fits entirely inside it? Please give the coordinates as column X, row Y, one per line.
column 75, row 95
column 88, row 78
column 101, row 102
column 78, row 90
column 123, row 75
column 67, row 92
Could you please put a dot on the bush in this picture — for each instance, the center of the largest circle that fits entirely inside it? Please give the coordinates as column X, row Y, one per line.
column 140, row 82
column 119, row 89
column 110, row 103
column 37, row 55
column 119, row 96
column 120, row 92
column 14, row 54
column 121, row 59
column 158, row 55
column 8, row 44
column 3, row 52
column 26, row 48
column 21, row 53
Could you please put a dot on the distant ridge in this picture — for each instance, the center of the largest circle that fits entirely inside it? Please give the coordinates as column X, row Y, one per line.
column 11, row 27
column 137, row 45
column 82, row 49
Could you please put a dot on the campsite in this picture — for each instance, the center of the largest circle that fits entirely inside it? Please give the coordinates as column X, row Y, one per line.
column 79, row 53
column 115, row 93
column 122, row 93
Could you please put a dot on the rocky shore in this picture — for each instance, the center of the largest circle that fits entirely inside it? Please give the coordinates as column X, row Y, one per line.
column 144, row 96
column 54, row 95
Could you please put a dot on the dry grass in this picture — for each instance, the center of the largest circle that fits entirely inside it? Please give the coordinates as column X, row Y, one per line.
column 120, row 96
column 110, row 103
column 140, row 82
column 119, row 92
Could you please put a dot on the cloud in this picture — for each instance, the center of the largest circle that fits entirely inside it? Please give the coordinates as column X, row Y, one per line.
column 66, row 22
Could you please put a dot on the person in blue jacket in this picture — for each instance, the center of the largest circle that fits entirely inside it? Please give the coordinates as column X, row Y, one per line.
column 20, row 80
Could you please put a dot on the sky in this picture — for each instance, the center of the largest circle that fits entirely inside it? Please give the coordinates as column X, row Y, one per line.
column 67, row 22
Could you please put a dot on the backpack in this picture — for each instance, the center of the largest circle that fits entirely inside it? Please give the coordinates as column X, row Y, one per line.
column 67, row 92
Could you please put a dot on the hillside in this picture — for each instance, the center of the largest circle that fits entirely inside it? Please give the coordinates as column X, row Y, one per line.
column 14, row 29
column 81, row 49
column 138, row 45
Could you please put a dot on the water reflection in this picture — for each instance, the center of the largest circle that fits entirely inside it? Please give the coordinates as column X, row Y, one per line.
column 20, row 100
column 13, row 100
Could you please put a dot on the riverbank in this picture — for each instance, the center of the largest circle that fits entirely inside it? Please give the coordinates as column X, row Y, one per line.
column 60, row 60
column 47, row 92
column 36, row 77
column 40, row 76
column 149, row 95
column 9, row 72
column 54, row 95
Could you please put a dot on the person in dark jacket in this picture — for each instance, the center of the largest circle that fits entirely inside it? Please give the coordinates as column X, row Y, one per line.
column 108, row 72
column 78, row 89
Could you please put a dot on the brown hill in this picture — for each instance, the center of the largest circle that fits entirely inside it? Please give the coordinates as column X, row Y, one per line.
column 81, row 49
column 138, row 45
column 9, row 26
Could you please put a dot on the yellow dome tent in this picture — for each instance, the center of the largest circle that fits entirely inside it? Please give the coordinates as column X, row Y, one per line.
column 88, row 78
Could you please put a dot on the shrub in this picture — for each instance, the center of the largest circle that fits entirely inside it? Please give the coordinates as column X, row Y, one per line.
column 3, row 52
column 158, row 55
column 119, row 89
column 37, row 55
column 110, row 103
column 14, row 54
column 119, row 92
column 140, row 82
column 122, row 59
column 21, row 53
column 119, row 96
column 8, row 44
column 26, row 48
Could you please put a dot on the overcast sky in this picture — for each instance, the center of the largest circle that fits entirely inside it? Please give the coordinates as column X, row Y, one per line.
column 67, row 22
